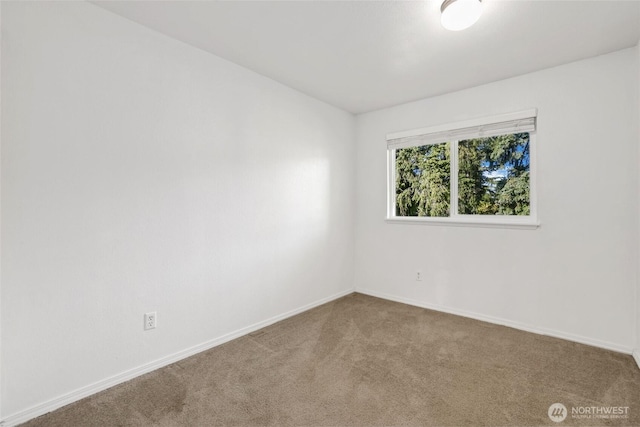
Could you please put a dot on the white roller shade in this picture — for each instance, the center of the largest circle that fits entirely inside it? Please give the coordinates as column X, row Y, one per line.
column 481, row 128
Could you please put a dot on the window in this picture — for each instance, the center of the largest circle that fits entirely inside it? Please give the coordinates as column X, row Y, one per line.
column 479, row 172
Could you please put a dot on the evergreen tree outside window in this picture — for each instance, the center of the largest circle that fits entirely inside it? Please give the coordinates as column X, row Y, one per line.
column 423, row 180
column 476, row 172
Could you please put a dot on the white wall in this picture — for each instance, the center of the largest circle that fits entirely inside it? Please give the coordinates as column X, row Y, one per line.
column 140, row 174
column 637, row 349
column 1, row 211
column 576, row 275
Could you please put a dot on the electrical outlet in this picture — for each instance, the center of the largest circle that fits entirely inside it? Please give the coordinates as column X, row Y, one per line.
column 150, row 320
column 418, row 276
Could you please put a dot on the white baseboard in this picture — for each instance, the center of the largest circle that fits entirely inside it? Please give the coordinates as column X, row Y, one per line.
column 504, row 322
column 636, row 356
column 81, row 393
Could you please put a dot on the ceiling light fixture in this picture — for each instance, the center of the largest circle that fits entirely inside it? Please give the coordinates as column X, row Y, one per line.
column 457, row 15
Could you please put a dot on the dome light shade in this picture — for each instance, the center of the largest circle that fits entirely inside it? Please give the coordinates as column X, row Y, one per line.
column 457, row 15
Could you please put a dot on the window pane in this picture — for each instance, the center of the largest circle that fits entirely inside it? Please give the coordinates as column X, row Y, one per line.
column 493, row 175
column 423, row 175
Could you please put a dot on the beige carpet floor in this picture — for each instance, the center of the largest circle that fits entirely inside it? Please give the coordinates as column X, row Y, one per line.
column 361, row 361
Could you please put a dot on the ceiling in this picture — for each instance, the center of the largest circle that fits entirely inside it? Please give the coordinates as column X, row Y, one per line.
column 366, row 55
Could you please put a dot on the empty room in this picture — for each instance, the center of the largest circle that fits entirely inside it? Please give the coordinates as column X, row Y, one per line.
column 320, row 213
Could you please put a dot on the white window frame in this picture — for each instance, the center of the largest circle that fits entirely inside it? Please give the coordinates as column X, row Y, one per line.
column 452, row 132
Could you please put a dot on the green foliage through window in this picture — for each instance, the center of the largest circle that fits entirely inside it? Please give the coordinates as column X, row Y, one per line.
column 493, row 177
column 423, row 175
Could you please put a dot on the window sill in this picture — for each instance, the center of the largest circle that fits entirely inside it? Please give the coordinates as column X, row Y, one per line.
column 491, row 222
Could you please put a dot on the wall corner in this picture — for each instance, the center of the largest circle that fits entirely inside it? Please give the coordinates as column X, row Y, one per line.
column 636, row 356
